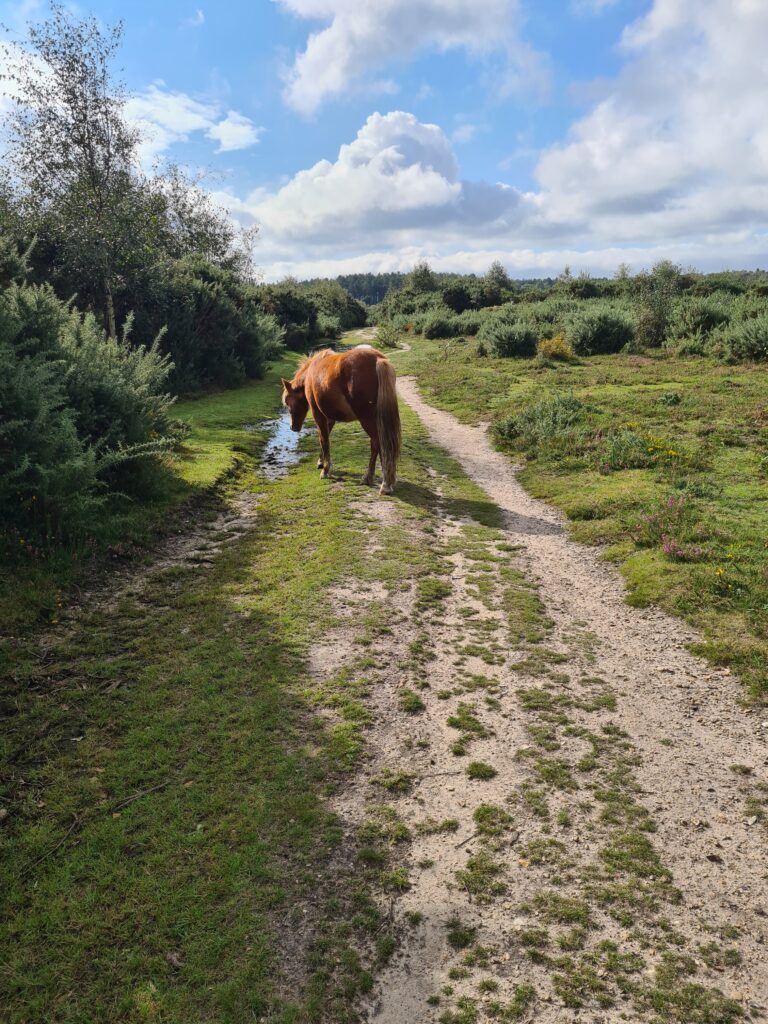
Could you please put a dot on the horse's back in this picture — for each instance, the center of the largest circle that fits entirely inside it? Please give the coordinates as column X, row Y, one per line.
column 338, row 381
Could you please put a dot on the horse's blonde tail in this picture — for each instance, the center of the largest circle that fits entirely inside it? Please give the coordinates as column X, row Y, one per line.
column 388, row 422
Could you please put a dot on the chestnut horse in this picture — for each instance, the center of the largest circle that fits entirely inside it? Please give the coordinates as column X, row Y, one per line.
column 340, row 387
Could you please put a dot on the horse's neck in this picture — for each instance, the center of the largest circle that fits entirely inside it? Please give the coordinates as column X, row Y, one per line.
column 301, row 373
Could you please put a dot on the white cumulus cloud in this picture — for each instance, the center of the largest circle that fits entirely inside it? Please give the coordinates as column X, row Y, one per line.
column 679, row 145
column 397, row 180
column 361, row 36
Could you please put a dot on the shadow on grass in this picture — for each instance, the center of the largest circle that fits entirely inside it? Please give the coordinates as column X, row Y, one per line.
column 484, row 512
column 179, row 782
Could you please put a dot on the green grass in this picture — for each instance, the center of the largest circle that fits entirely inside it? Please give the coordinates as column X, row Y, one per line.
column 481, row 877
column 712, row 573
column 480, row 770
column 410, row 702
column 108, row 891
column 35, row 592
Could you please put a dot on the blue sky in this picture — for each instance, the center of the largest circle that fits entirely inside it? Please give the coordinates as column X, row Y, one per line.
column 365, row 135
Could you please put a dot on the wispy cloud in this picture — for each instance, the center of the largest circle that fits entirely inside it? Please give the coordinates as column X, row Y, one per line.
column 167, row 117
column 234, row 132
column 592, row 6
column 194, row 20
column 16, row 15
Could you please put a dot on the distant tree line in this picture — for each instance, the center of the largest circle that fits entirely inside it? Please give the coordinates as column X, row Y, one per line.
column 372, row 289
column 723, row 315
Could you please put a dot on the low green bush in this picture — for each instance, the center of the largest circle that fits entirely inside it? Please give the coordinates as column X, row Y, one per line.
column 437, row 326
column 624, row 449
column 387, row 335
column 550, row 422
column 506, row 335
column 598, row 331
column 328, row 326
column 470, row 322
column 749, row 340
column 694, row 317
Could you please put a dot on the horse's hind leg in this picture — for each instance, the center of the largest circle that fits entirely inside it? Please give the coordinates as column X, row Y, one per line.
column 369, row 426
column 368, row 478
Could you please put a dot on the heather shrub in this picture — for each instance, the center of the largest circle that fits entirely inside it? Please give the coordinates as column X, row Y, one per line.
column 672, row 518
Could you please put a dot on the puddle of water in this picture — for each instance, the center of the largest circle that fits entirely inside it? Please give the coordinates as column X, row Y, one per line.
column 282, row 449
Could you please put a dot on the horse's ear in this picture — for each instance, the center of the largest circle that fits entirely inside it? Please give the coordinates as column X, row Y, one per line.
column 286, row 384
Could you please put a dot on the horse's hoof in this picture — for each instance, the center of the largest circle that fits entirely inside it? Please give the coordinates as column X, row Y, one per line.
column 386, row 488
column 366, row 481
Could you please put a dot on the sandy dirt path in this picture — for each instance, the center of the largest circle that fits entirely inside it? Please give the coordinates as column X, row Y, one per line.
column 695, row 758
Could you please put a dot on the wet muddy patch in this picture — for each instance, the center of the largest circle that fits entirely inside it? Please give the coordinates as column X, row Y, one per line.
column 283, row 449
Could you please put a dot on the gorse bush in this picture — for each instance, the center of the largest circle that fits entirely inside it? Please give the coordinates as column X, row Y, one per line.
column 556, row 350
column 334, row 303
column 694, row 317
column 328, row 326
column 387, row 335
column 749, row 339
column 217, row 330
column 470, row 322
column 598, row 331
column 507, row 335
column 82, row 419
column 118, row 394
column 441, row 327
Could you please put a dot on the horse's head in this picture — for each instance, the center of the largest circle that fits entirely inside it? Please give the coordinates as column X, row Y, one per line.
column 295, row 401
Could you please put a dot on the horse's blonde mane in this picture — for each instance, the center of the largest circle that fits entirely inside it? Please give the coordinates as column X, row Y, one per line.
column 302, row 368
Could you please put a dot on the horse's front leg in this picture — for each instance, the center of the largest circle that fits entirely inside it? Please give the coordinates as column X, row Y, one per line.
column 324, row 428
